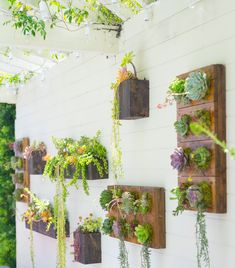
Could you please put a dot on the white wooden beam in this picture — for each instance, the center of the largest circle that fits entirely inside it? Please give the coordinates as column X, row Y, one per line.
column 60, row 39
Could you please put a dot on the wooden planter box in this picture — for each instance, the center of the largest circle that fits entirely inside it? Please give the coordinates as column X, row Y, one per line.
column 87, row 247
column 215, row 103
column 91, row 173
column 36, row 163
column 133, row 99
column 41, row 227
column 156, row 217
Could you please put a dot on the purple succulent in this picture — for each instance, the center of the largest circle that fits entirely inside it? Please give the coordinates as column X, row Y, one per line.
column 179, row 159
column 194, row 196
column 116, row 228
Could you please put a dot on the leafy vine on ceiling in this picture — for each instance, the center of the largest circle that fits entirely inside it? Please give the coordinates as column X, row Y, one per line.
column 34, row 20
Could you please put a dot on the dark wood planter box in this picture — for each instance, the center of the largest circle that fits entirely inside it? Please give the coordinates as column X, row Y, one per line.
column 87, row 247
column 36, row 163
column 91, row 173
column 41, row 227
column 134, row 99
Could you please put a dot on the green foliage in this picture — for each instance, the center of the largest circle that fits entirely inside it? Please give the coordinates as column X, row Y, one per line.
column 7, row 204
column 182, row 125
column 182, row 195
column 203, row 258
column 177, row 90
column 18, row 194
column 128, row 204
column 203, row 117
column 16, row 162
column 198, row 129
column 144, row 233
column 123, row 254
column 127, row 59
column 89, row 224
column 17, row 178
column 145, row 257
column 107, row 226
column 201, row 157
column 15, row 79
column 145, row 203
column 196, row 86
column 105, row 198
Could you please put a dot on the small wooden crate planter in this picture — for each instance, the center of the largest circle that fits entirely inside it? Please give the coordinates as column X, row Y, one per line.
column 36, row 163
column 91, row 173
column 87, row 247
column 133, row 99
column 156, row 217
column 215, row 103
column 26, row 176
column 41, row 227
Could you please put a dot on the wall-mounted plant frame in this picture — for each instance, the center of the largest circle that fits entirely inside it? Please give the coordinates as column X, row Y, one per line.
column 26, row 176
column 155, row 218
column 215, row 103
column 41, row 227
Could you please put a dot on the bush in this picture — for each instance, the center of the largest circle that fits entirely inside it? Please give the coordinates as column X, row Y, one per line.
column 7, row 204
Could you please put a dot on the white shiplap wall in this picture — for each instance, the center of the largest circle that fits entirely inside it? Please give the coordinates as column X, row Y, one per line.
column 75, row 100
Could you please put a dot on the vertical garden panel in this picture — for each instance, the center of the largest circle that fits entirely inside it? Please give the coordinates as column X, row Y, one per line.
column 214, row 102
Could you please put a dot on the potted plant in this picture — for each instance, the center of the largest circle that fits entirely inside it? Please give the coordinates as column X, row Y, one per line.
column 18, row 178
column 87, row 240
column 194, row 88
column 197, row 197
column 132, row 93
column 35, row 154
column 77, row 155
column 16, row 163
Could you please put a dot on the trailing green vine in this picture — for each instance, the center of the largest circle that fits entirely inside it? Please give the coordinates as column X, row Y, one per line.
column 15, row 80
column 31, row 19
column 199, row 197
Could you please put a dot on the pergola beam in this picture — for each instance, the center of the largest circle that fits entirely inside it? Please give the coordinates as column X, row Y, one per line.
column 98, row 40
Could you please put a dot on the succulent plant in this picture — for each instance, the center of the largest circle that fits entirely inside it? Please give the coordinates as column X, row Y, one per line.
column 196, row 86
column 105, row 198
column 18, row 147
column 179, row 159
column 194, row 196
column 144, row 233
column 16, row 162
column 19, row 192
column 182, row 125
column 203, row 117
column 177, row 90
column 107, row 226
column 128, row 202
column 201, row 157
column 145, row 203
column 18, row 177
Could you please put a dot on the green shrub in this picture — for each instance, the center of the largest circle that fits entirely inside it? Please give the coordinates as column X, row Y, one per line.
column 7, row 207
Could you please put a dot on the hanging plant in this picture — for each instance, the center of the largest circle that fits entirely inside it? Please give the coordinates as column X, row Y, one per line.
column 37, row 210
column 199, row 197
column 144, row 235
column 193, row 88
column 78, row 154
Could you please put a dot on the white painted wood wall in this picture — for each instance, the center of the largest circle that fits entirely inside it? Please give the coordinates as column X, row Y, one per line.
column 75, row 100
